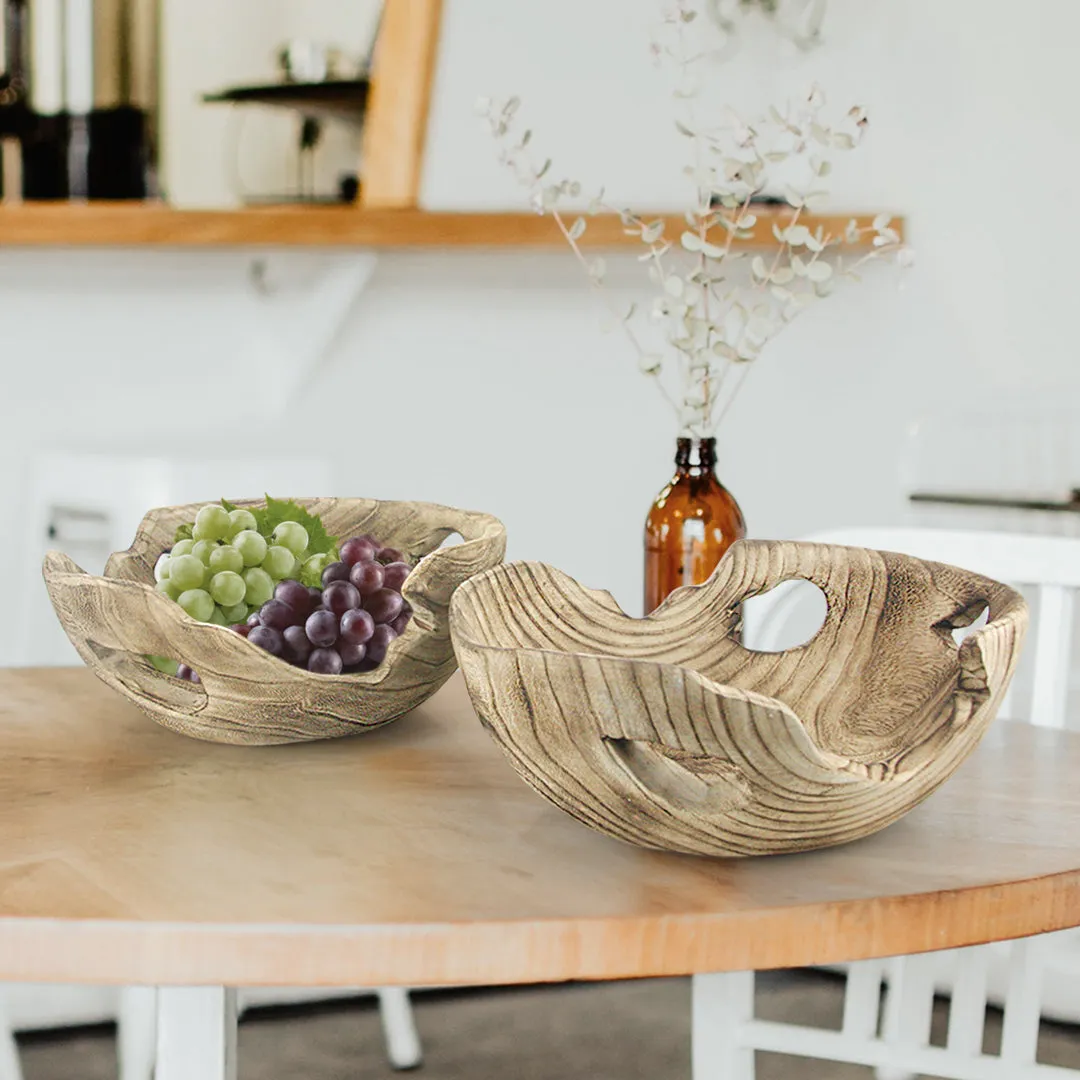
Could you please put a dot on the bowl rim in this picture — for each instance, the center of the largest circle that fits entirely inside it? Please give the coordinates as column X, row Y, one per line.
column 490, row 530
column 1014, row 606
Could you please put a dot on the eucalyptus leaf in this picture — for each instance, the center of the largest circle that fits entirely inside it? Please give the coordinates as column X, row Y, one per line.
column 652, row 232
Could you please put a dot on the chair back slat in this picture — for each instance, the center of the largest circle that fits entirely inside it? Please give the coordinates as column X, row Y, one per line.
column 1052, row 648
column 967, row 1010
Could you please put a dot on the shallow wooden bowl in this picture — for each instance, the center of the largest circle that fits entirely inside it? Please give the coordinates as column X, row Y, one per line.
column 246, row 695
column 666, row 732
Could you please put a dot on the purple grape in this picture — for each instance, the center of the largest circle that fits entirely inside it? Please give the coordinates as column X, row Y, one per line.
column 336, row 571
column 315, row 593
column 268, row 638
column 277, row 615
column 325, row 662
column 385, row 605
column 184, row 672
column 389, row 555
column 379, row 643
column 399, row 624
column 351, row 652
column 194, row 676
column 340, row 596
column 367, row 577
column 394, row 575
column 357, row 626
column 295, row 595
column 254, row 620
column 357, row 550
column 241, row 628
column 297, row 646
column 322, row 628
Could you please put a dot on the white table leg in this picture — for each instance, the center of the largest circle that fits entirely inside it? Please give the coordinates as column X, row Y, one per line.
column 399, row 1028
column 722, row 1005
column 136, row 1032
column 9, row 1051
column 196, row 1037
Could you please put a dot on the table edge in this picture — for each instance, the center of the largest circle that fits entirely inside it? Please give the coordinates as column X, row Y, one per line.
column 531, row 950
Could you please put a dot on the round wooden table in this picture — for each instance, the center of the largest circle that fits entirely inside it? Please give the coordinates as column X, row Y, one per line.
column 413, row 855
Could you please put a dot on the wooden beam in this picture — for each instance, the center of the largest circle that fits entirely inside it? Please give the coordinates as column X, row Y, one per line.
column 395, row 127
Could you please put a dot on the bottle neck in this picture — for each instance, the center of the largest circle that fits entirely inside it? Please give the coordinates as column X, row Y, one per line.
column 695, row 456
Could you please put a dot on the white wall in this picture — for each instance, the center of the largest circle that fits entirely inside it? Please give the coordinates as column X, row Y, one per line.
column 486, row 380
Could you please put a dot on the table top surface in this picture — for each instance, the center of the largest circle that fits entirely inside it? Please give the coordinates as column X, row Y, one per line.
column 414, row 855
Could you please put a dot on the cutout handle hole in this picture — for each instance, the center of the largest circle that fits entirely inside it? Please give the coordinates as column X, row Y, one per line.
column 788, row 616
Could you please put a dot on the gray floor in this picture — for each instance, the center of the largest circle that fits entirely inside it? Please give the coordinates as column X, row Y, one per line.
column 622, row 1031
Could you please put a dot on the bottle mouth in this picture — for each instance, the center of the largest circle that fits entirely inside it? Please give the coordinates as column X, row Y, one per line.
column 693, row 453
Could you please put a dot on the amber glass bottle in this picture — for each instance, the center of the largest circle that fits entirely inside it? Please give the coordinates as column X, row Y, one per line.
column 693, row 521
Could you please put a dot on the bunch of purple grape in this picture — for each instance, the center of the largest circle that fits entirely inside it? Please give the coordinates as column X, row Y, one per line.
column 348, row 624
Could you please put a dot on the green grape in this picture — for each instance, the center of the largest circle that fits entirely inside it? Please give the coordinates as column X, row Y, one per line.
column 198, row 603
column 237, row 613
column 227, row 588
column 279, row 562
column 240, row 521
column 311, row 571
column 169, row 589
column 291, row 535
column 260, row 586
column 211, row 523
column 182, row 547
column 251, row 545
column 218, row 618
column 186, row 572
column 161, row 568
column 226, row 557
column 204, row 549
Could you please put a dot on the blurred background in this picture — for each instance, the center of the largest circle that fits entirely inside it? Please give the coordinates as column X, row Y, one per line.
column 477, row 373
column 485, row 378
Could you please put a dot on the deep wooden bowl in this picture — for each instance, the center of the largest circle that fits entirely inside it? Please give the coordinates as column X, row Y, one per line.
column 246, row 695
column 668, row 733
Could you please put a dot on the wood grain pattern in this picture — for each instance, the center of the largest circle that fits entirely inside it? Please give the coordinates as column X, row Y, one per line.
column 395, row 123
column 246, row 695
column 666, row 732
column 140, row 224
column 416, row 856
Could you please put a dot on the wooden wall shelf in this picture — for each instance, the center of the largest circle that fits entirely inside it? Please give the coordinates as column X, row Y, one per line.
column 150, row 224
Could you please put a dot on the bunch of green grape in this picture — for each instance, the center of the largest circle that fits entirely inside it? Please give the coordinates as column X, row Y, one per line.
column 229, row 569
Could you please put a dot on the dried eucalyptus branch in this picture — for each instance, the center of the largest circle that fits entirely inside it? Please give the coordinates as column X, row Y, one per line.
column 710, row 314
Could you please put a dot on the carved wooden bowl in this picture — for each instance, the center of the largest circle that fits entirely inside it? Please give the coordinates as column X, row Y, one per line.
column 666, row 732
column 245, row 694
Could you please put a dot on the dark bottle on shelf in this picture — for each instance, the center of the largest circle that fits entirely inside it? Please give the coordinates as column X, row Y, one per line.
column 122, row 125
column 87, row 119
column 14, row 106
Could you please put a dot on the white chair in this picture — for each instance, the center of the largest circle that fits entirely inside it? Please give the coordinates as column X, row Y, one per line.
column 726, row 1033
column 137, row 1032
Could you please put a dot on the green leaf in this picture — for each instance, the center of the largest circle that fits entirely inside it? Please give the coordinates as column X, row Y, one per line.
column 163, row 663
column 183, row 532
column 320, row 542
column 228, row 505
